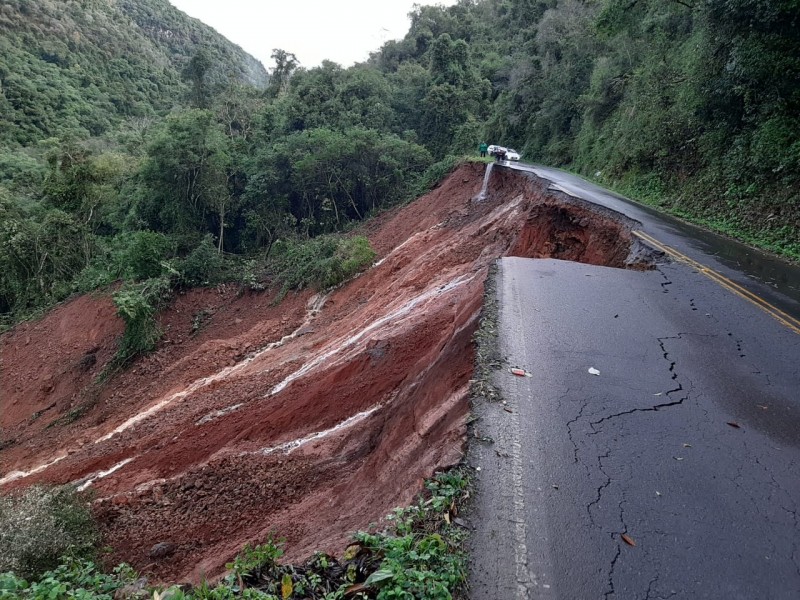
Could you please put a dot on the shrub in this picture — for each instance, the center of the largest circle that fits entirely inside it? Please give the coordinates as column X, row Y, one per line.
column 434, row 174
column 137, row 305
column 145, row 254
column 74, row 578
column 204, row 266
column 40, row 525
column 420, row 554
column 321, row 262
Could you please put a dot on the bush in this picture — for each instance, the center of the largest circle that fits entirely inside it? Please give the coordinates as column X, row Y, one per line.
column 434, row 174
column 74, row 578
column 204, row 266
column 144, row 256
column 321, row 262
column 39, row 526
column 420, row 554
column 137, row 305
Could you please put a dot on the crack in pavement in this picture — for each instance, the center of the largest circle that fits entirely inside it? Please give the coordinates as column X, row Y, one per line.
column 667, row 281
column 650, row 590
column 600, row 489
column 650, row 587
column 594, row 425
column 656, row 407
column 794, row 554
column 584, row 404
column 610, row 591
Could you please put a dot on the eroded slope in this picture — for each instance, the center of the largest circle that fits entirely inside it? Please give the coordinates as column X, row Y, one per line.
column 310, row 419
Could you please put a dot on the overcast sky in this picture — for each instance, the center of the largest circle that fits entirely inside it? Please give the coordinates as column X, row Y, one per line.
column 344, row 31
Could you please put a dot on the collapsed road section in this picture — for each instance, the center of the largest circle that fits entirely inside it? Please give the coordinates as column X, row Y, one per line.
column 312, row 418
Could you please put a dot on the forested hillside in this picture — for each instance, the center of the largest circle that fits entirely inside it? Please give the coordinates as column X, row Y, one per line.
column 79, row 68
column 138, row 145
column 694, row 106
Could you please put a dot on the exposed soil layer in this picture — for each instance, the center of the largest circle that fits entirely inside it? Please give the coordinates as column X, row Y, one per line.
column 312, row 418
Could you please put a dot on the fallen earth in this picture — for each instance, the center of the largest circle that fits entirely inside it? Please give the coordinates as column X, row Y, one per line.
column 310, row 418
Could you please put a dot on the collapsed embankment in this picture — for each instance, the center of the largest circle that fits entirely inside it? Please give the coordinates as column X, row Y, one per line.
column 312, row 418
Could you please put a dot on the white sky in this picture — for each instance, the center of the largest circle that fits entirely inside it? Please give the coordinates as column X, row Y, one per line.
column 344, row 31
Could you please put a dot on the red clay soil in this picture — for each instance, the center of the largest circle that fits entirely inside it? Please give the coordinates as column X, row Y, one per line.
column 312, row 418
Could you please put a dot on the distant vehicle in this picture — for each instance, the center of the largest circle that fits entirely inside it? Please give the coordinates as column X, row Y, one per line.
column 503, row 153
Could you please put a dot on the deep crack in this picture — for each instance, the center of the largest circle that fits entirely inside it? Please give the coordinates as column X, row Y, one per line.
column 656, row 407
column 667, row 281
column 584, row 404
column 610, row 591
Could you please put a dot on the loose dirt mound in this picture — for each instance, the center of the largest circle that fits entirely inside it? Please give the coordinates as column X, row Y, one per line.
column 310, row 419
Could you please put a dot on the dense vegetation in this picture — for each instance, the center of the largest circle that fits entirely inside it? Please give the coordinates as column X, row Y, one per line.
column 79, row 68
column 133, row 138
column 692, row 105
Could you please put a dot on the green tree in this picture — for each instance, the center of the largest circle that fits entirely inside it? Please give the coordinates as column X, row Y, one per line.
column 186, row 174
column 285, row 65
column 195, row 72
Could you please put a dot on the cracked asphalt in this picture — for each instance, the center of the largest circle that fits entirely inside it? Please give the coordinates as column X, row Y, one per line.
column 687, row 442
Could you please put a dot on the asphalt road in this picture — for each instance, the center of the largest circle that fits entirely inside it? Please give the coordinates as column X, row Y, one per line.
column 775, row 280
column 687, row 441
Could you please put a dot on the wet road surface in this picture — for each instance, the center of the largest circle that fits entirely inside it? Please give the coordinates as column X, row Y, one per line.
column 770, row 277
column 687, row 442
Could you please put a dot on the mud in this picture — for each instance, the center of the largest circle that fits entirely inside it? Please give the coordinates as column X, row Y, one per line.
column 312, row 418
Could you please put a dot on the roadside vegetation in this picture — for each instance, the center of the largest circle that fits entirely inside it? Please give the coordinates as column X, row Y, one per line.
column 418, row 555
column 39, row 526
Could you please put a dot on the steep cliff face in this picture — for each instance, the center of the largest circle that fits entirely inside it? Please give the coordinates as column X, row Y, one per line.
column 311, row 418
column 79, row 67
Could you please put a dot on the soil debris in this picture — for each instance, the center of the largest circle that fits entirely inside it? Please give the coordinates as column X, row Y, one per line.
column 307, row 418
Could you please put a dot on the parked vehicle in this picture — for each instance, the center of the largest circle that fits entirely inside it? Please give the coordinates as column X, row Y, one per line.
column 503, row 153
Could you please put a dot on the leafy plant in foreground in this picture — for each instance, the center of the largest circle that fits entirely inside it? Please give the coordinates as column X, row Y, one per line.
column 419, row 556
column 40, row 525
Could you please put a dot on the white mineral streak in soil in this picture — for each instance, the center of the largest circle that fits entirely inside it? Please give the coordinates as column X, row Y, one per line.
column 393, row 316
column 95, row 476
column 314, row 306
column 289, row 447
column 218, row 413
column 395, row 250
column 14, row 475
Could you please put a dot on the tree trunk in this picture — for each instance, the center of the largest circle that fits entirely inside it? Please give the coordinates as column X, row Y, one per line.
column 221, row 225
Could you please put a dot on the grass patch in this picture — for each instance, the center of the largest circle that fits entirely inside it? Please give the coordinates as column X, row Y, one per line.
column 725, row 218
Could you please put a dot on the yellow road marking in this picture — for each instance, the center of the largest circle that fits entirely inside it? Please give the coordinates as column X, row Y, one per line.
column 774, row 312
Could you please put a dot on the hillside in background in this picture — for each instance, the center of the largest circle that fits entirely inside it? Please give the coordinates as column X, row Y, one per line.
column 79, row 68
column 135, row 144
